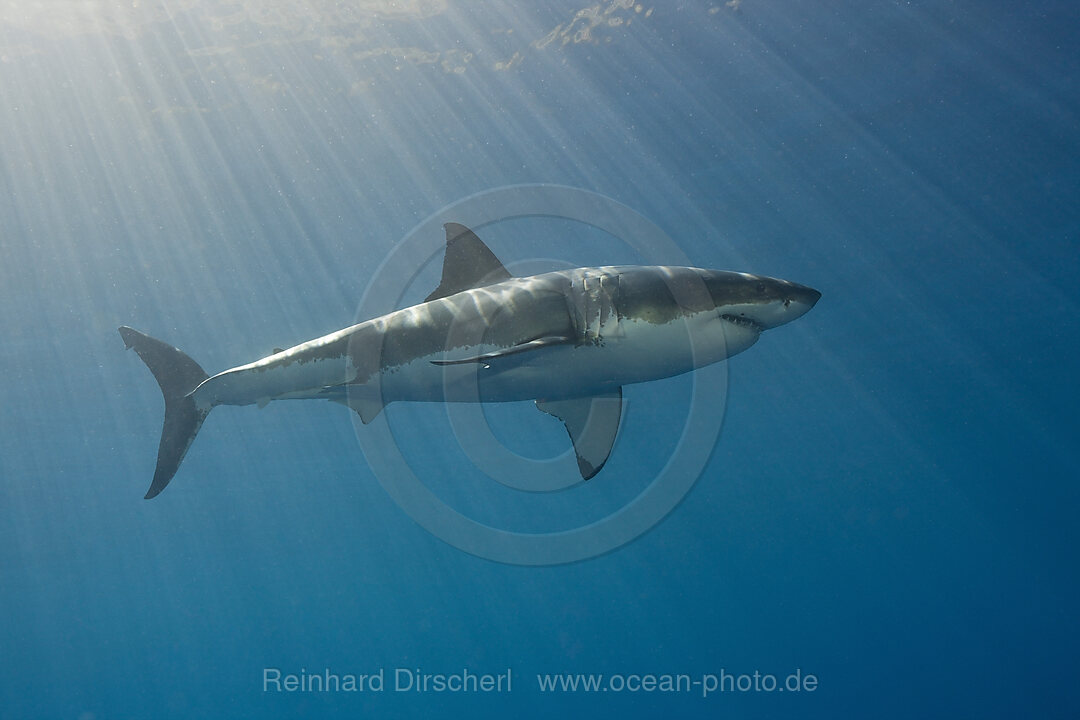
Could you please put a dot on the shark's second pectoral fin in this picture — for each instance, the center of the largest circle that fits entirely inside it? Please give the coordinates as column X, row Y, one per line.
column 593, row 423
column 487, row 358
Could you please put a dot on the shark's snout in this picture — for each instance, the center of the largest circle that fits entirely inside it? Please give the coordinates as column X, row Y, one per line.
column 763, row 301
column 791, row 303
column 802, row 298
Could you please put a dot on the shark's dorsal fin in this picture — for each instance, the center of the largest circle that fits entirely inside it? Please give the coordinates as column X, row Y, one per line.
column 469, row 263
column 593, row 423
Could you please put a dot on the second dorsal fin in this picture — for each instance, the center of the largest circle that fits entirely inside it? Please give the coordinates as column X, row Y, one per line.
column 469, row 263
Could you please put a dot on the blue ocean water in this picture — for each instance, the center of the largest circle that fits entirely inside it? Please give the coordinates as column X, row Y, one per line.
column 890, row 506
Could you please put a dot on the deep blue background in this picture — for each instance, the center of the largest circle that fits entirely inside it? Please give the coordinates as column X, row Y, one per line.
column 891, row 505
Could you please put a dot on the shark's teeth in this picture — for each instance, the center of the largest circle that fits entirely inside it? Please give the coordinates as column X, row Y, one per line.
column 741, row 321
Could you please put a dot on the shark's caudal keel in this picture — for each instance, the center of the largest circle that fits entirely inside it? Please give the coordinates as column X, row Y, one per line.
column 570, row 340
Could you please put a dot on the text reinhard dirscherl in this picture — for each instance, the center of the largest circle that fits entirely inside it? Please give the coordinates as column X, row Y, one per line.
column 397, row 680
column 414, row 680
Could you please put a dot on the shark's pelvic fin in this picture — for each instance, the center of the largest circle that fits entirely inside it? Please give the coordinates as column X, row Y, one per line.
column 177, row 375
column 469, row 263
column 593, row 423
column 367, row 408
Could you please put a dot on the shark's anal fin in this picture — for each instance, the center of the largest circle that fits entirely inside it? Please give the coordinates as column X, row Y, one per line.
column 487, row 358
column 593, row 423
column 468, row 263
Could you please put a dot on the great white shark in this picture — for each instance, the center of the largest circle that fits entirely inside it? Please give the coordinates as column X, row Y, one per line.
column 568, row 340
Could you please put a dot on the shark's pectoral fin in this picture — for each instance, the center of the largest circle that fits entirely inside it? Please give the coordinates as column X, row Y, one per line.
column 487, row 358
column 593, row 423
column 468, row 263
column 367, row 408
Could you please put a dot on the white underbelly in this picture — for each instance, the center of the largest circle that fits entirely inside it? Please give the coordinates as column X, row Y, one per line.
column 627, row 353
column 634, row 352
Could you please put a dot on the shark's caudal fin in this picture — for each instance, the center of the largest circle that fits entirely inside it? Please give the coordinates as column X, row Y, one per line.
column 178, row 375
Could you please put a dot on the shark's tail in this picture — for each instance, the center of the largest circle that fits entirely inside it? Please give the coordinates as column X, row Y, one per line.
column 178, row 375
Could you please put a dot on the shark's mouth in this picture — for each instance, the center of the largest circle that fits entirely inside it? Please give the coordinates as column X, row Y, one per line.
column 742, row 322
